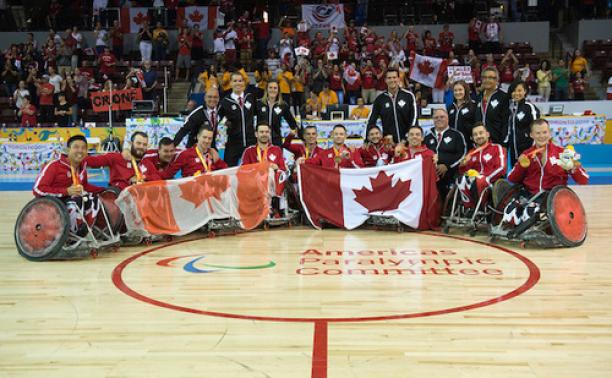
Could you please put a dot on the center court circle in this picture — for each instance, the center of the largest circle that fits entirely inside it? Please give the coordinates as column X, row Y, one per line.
column 281, row 294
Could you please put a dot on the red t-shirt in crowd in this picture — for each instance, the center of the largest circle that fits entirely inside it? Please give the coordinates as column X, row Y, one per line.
column 262, row 29
column 46, row 99
column 245, row 39
column 507, row 74
column 196, row 41
column 381, row 85
column 370, row 41
column 106, row 61
column 29, row 120
column 411, row 41
column 368, row 78
column 335, row 81
column 429, row 46
column 446, row 41
column 184, row 49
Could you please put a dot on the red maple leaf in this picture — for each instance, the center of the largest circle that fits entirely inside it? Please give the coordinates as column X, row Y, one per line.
column 383, row 196
column 425, row 67
column 140, row 18
column 196, row 17
column 203, row 188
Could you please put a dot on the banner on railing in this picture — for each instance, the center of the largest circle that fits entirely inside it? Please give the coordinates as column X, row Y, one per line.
column 122, row 99
column 132, row 19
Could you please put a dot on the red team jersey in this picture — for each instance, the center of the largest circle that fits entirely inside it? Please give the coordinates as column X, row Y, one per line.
column 189, row 163
column 326, row 158
column 299, row 149
column 490, row 162
column 538, row 177
column 374, row 154
column 271, row 153
column 153, row 157
column 412, row 153
column 121, row 170
column 56, row 177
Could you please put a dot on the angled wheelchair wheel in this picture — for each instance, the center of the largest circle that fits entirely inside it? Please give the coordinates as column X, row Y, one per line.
column 42, row 229
column 115, row 217
column 567, row 216
column 499, row 190
column 504, row 196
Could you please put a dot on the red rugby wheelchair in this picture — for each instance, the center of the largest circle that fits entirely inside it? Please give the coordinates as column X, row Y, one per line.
column 554, row 218
column 48, row 228
column 466, row 208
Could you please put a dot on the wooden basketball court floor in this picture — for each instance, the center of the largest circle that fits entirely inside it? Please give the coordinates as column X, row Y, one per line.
column 305, row 303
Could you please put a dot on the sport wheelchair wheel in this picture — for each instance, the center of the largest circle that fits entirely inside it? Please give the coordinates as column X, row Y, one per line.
column 503, row 198
column 567, row 216
column 115, row 217
column 42, row 228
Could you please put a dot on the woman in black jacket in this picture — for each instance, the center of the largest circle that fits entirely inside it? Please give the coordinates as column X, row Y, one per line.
column 522, row 114
column 462, row 111
column 271, row 109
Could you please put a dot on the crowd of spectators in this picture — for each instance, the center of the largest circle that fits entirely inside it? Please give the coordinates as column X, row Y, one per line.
column 314, row 69
column 344, row 67
column 50, row 83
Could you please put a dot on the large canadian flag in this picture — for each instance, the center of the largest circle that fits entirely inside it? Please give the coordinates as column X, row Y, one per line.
column 427, row 70
column 133, row 18
column 347, row 197
column 205, row 17
column 178, row 207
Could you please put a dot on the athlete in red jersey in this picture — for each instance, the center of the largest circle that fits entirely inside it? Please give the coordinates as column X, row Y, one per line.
column 198, row 159
column 339, row 155
column 263, row 150
column 127, row 167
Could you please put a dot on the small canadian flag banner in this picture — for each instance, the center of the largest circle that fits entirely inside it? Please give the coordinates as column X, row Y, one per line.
column 347, row 197
column 427, row 70
column 132, row 19
column 205, row 17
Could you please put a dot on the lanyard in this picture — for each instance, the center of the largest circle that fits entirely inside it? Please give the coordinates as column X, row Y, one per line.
column 75, row 177
column 136, row 170
column 261, row 156
column 202, row 160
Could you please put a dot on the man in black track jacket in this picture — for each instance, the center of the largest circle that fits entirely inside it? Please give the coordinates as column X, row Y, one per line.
column 206, row 115
column 396, row 107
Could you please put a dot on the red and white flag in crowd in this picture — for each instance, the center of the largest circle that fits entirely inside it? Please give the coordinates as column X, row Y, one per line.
column 133, row 18
column 427, row 70
column 347, row 197
column 324, row 16
column 205, row 17
column 178, row 207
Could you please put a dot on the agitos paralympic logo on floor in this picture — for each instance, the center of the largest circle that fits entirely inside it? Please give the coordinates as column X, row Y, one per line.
column 197, row 261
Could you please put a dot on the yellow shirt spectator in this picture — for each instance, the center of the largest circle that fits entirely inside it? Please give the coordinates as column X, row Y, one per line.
column 208, row 82
column 314, row 104
column 579, row 64
column 226, row 81
column 298, row 84
column 360, row 112
column 327, row 97
column 285, row 79
column 262, row 78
